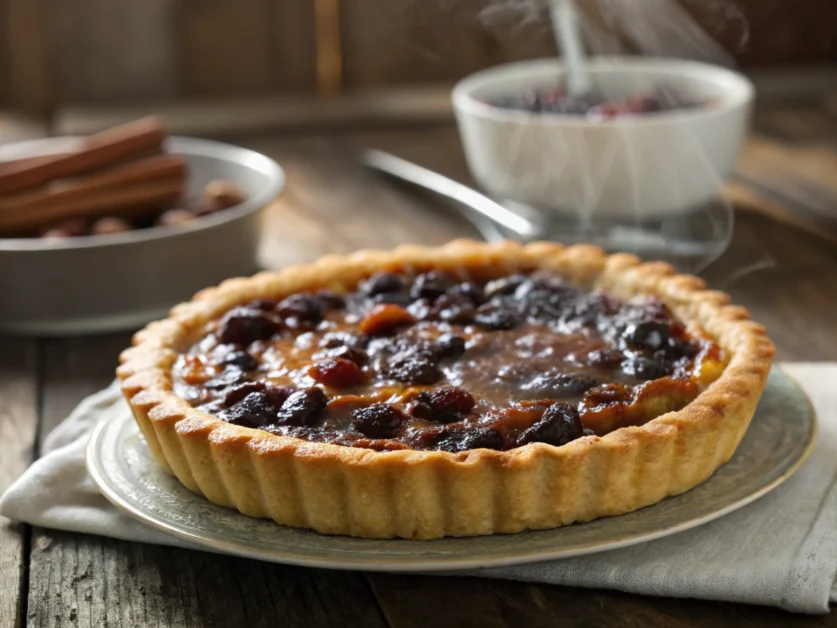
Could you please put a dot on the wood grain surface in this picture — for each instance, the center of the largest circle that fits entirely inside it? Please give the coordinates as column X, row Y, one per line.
column 785, row 274
column 114, row 50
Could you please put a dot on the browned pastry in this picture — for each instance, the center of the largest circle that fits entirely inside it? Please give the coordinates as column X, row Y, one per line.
column 468, row 389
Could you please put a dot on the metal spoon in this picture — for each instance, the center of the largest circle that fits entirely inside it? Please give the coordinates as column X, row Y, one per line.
column 487, row 215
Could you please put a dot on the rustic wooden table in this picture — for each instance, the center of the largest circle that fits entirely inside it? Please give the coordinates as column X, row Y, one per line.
column 785, row 273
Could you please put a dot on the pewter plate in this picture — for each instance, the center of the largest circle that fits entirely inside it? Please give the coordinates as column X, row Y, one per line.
column 779, row 439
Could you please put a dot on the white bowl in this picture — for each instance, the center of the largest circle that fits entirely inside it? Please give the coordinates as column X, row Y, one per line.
column 647, row 166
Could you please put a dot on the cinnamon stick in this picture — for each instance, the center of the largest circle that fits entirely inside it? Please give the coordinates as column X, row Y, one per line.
column 66, row 191
column 125, row 201
column 96, row 152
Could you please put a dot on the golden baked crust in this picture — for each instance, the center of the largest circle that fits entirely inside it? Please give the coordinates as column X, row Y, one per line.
column 428, row 494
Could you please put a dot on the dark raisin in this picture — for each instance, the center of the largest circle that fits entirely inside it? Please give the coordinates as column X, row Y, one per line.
column 494, row 316
column 301, row 309
column 240, row 391
column 413, row 369
column 645, row 368
column 254, row 410
column 449, row 346
column 382, row 282
column 605, row 358
column 540, row 287
column 558, row 426
column 396, row 298
column 677, row 349
column 230, row 376
column 453, row 309
column 263, row 304
column 430, row 286
column 302, row 407
column 243, row 325
column 380, row 420
column 358, row 356
column 470, row 290
column 428, row 437
column 481, row 438
column 422, row 309
column 503, row 286
column 552, row 385
column 335, row 339
column 240, row 359
column 336, row 373
column 384, row 319
column 648, row 335
column 331, row 300
column 443, row 405
column 279, row 394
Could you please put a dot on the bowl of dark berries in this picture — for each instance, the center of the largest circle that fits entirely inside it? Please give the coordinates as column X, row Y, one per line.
column 653, row 137
column 109, row 231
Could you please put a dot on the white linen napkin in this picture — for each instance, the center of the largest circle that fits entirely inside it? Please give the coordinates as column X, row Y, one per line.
column 780, row 551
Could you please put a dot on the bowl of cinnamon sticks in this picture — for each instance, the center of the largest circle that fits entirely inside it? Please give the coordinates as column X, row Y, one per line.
column 107, row 232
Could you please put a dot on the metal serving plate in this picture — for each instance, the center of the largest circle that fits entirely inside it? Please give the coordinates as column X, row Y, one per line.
column 779, row 439
column 96, row 284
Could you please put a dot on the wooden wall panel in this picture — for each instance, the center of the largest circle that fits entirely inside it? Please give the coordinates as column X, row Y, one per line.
column 389, row 42
column 4, row 53
column 31, row 78
column 114, row 50
column 245, row 47
column 780, row 32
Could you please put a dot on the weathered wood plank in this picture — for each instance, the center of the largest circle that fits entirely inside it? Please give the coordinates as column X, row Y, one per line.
column 236, row 48
column 416, row 601
column 115, row 50
column 31, row 77
column 80, row 580
column 18, row 422
column 411, row 42
column 327, row 188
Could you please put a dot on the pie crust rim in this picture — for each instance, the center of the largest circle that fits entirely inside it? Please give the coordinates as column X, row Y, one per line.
column 412, row 494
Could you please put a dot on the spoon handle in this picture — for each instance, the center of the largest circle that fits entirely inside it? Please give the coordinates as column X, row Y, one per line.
column 440, row 184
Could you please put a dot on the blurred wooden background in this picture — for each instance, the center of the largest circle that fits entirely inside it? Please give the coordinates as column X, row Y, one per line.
column 63, row 53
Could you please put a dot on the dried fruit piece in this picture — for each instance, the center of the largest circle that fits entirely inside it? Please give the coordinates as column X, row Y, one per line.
column 384, row 319
column 558, row 426
column 301, row 308
column 255, row 410
column 497, row 317
column 430, row 286
column 336, row 373
column 381, row 283
column 302, row 407
column 380, row 420
column 243, row 325
column 449, row 346
column 443, row 405
column 240, row 359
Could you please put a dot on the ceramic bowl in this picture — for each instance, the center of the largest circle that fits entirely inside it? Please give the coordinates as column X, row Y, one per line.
column 637, row 167
column 92, row 284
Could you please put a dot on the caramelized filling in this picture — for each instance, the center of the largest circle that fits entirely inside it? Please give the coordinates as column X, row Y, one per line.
column 427, row 362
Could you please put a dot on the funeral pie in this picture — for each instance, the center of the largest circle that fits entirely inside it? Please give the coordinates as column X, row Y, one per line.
column 462, row 390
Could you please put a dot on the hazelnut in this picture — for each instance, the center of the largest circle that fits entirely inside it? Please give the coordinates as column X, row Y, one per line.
column 174, row 217
column 206, row 205
column 225, row 193
column 109, row 225
column 66, row 229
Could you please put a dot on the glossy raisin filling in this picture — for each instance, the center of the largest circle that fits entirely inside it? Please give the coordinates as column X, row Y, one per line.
column 431, row 362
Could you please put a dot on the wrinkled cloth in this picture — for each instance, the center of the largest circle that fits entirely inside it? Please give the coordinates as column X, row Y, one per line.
column 780, row 550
